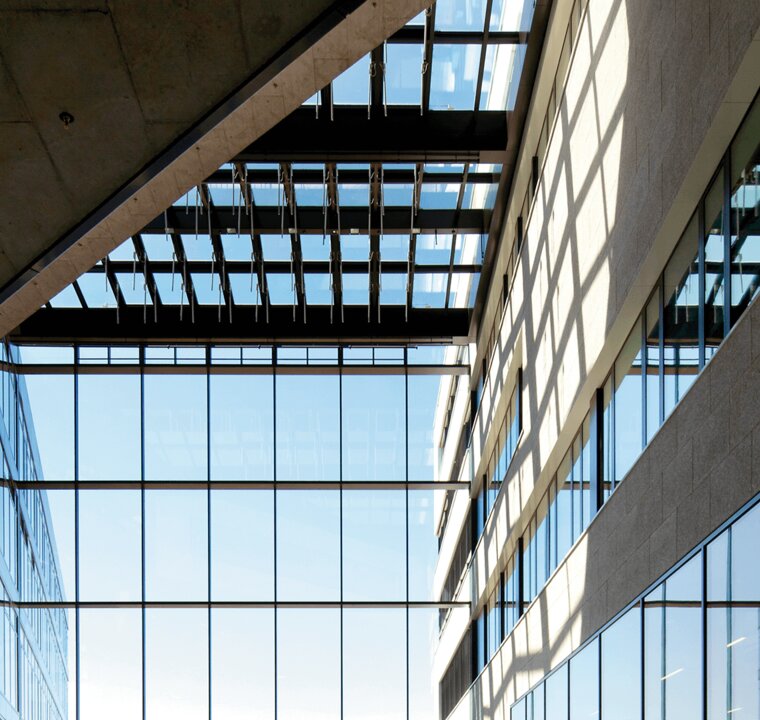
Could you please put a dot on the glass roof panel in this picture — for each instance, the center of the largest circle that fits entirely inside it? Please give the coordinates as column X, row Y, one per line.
column 511, row 15
column 197, row 247
column 351, row 87
column 352, row 166
column 125, row 251
column 479, row 196
column 439, row 196
column 394, row 247
column 245, row 289
column 224, row 194
column 67, row 298
column 207, row 289
column 393, row 288
column 433, row 249
column 266, row 194
column 96, row 290
column 444, row 167
column 460, row 15
column 403, row 74
column 464, row 287
column 470, row 249
column 315, row 247
column 170, row 288
column 313, row 100
column 418, row 19
column 355, row 289
column 281, row 289
column 501, row 76
column 397, row 194
column 237, row 247
column 132, row 287
column 157, row 247
column 354, row 247
column 353, row 195
column 190, row 199
column 309, row 195
column 262, row 166
column 455, row 74
column 317, row 287
column 429, row 290
column 276, row 247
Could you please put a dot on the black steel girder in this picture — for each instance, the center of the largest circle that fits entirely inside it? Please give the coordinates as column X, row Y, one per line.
column 404, row 134
column 246, row 326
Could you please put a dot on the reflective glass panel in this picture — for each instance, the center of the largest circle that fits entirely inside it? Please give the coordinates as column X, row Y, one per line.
column 374, row 427
column 403, row 74
column 621, row 668
column 109, row 427
column 628, row 395
column 176, row 545
column 308, row 545
column 713, row 270
column 455, row 74
column 110, row 528
column 308, row 427
column 242, row 663
column 175, row 427
column 584, row 683
column 242, row 545
column 374, row 663
column 351, row 87
column 681, row 317
column 176, row 639
column 110, row 657
column 308, row 663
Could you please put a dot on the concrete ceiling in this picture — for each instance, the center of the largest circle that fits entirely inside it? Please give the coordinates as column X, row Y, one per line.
column 161, row 93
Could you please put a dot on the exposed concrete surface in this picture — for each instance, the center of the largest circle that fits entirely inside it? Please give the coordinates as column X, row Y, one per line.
column 136, row 76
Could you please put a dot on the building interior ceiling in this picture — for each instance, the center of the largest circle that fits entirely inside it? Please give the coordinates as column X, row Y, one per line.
column 369, row 214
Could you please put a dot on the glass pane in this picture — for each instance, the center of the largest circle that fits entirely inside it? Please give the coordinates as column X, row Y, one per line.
column 374, row 664
column 242, row 427
column 556, row 694
column 460, row 15
column 501, row 76
column 628, row 389
column 374, row 545
column 393, row 288
column 110, row 528
column 584, row 683
column 308, row 664
column 109, row 427
column 351, row 87
column 276, row 247
column 175, row 427
column 374, row 427
column 176, row 639
column 51, row 417
column 564, row 514
column 433, row 249
column 429, row 290
column 423, row 681
column 176, row 546
column 110, row 647
column 242, row 545
column 745, row 210
column 308, row 545
column 308, row 427
column 423, row 544
column 242, row 663
column 652, row 381
column 714, row 281
column 621, row 668
column 673, row 646
column 511, row 15
column 681, row 317
column 403, row 74
column 455, row 74
column 96, row 290
column 423, row 401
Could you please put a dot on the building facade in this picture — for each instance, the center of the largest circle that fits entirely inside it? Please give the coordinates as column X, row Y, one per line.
column 606, row 499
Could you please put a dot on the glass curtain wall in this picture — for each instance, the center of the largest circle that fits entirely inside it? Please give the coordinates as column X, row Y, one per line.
column 688, row 648
column 257, row 543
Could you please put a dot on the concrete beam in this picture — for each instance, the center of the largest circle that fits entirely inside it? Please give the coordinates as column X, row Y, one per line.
column 161, row 94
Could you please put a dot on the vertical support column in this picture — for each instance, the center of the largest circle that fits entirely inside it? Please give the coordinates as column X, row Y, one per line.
column 596, row 438
column 76, row 542
column 726, row 224
column 142, row 521
column 208, row 518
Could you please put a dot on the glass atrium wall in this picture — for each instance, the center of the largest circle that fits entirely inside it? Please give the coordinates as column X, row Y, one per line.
column 236, row 530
